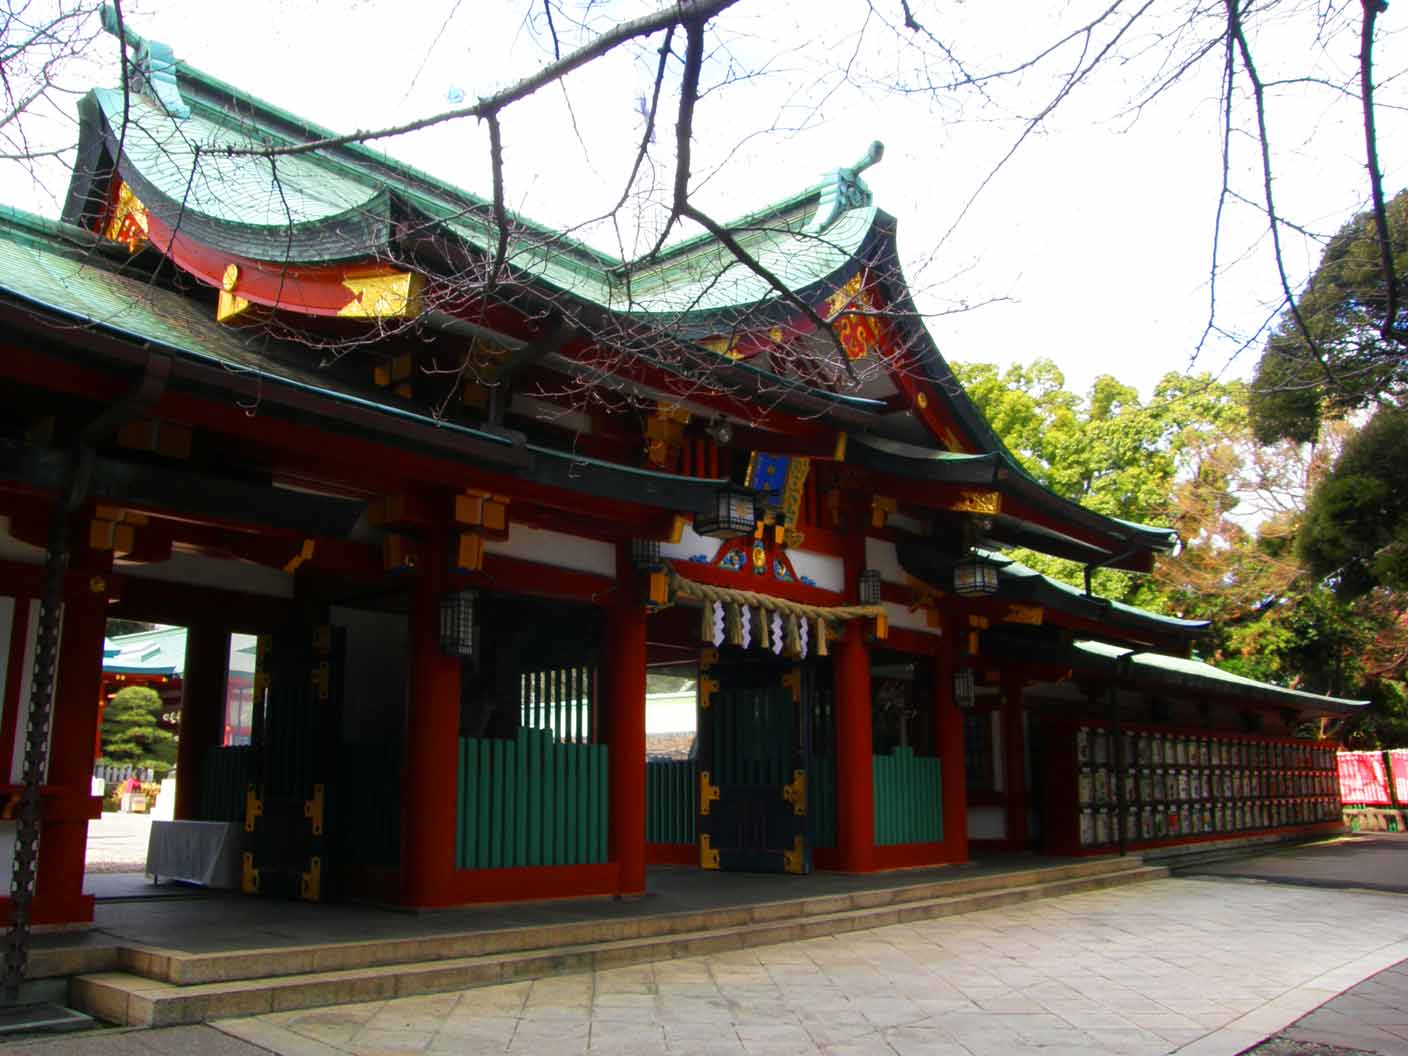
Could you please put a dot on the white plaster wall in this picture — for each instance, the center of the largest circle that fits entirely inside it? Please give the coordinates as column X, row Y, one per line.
column 691, row 544
column 12, row 549
column 375, row 680
column 987, row 823
column 880, row 554
column 557, row 549
column 200, row 570
column 827, row 572
column 914, row 620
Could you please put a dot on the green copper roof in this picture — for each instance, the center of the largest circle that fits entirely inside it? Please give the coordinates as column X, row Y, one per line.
column 1018, row 572
column 183, row 161
column 1196, row 674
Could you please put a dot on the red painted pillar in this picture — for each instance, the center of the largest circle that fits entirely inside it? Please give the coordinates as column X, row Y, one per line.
column 948, row 725
column 432, row 739
column 855, row 788
column 623, row 667
column 63, row 837
column 202, row 711
column 1014, row 761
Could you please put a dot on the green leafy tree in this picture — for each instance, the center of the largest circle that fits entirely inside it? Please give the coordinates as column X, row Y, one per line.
column 1355, row 355
column 1355, row 533
column 132, row 734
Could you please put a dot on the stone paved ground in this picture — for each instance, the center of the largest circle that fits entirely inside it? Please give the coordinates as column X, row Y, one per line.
column 1198, row 966
column 1369, row 1018
column 117, row 843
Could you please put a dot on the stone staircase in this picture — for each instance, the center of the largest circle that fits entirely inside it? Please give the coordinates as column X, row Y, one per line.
column 139, row 986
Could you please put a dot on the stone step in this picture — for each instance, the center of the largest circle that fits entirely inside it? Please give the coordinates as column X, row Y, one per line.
column 188, row 969
column 131, row 999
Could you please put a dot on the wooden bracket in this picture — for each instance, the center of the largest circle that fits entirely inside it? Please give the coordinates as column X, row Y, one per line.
column 707, row 688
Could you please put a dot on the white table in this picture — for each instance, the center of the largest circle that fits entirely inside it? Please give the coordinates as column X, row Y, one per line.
column 202, row 852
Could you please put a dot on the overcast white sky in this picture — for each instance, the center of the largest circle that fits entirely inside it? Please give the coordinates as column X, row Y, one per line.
column 1099, row 230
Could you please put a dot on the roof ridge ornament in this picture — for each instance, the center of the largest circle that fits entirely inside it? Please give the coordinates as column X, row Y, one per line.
column 153, row 63
column 844, row 190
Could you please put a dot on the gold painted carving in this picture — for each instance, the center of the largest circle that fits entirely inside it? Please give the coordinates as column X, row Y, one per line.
column 795, row 792
column 707, row 688
column 230, row 303
column 128, row 222
column 664, row 431
column 303, row 555
column 852, row 311
column 1029, row 614
column 972, row 501
column 395, row 296
column 792, row 498
column 708, row 658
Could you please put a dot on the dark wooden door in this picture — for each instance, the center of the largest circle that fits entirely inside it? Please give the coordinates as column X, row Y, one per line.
column 753, row 745
column 298, row 698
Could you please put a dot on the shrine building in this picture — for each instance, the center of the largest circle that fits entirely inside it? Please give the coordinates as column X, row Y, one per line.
column 463, row 491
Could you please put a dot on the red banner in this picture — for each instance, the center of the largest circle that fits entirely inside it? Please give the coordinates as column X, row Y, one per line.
column 1398, row 763
column 1362, row 778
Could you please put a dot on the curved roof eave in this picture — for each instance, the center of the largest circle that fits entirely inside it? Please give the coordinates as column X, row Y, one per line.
column 920, row 342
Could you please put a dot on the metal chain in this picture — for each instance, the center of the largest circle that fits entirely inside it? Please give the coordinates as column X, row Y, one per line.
column 36, row 754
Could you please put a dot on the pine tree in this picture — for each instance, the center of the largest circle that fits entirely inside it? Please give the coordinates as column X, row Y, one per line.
column 131, row 733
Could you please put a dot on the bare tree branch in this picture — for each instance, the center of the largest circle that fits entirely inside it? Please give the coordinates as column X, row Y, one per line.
column 1389, row 331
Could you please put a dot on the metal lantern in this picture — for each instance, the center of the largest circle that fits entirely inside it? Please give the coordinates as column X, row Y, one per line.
column 733, row 514
column 974, row 578
column 964, row 690
column 457, row 623
column 645, row 554
column 870, row 587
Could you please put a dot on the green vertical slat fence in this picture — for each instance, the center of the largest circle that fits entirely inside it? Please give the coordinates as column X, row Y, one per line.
column 821, row 799
column 224, row 776
column 908, row 798
column 671, row 800
column 530, row 801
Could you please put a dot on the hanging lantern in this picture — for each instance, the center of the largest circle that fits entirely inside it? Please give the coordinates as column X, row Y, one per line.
column 974, row 578
column 734, row 514
column 870, row 587
column 457, row 623
column 645, row 555
column 964, row 691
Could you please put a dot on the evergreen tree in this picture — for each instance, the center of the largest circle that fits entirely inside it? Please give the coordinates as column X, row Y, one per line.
column 132, row 734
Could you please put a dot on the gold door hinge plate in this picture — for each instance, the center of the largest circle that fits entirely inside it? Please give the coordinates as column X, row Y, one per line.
column 313, row 810
column 792, row 681
column 321, row 677
column 311, row 885
column 708, row 857
column 253, row 807
column 795, row 860
column 249, row 876
column 796, row 792
column 707, row 688
column 707, row 792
